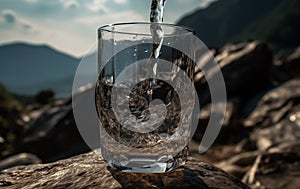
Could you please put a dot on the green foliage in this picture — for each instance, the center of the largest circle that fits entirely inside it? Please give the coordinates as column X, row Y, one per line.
column 7, row 100
column 10, row 111
column 8, row 106
column 25, row 99
column 45, row 97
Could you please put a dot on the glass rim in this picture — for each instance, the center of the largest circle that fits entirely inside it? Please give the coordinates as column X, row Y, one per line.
column 108, row 28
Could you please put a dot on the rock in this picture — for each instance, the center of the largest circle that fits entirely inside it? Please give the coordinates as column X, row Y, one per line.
column 279, row 167
column 239, row 164
column 279, row 75
column 275, row 105
column 245, row 67
column 286, row 65
column 277, row 156
column 292, row 64
column 232, row 130
column 53, row 134
column 275, row 132
column 276, row 168
column 90, row 171
column 279, row 152
column 287, row 130
column 216, row 153
column 19, row 159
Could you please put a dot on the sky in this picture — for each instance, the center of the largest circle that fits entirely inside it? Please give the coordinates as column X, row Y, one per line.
column 71, row 25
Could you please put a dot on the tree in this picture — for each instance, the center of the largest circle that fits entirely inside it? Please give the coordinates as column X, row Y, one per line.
column 10, row 112
column 45, row 97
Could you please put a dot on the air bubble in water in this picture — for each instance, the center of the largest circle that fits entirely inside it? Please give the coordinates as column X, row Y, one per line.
column 150, row 92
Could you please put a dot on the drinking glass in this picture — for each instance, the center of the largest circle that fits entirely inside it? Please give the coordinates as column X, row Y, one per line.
column 144, row 103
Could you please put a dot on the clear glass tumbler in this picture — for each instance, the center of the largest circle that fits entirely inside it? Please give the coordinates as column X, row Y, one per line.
column 144, row 102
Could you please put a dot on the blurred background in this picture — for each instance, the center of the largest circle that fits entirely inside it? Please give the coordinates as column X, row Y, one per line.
column 255, row 42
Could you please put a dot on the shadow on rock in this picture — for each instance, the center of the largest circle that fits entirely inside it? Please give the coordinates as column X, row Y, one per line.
column 183, row 177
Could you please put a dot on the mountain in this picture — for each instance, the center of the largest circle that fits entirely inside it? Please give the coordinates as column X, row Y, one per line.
column 224, row 21
column 27, row 69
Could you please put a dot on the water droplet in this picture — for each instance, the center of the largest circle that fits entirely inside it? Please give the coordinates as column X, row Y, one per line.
column 134, row 54
column 295, row 117
column 169, row 43
column 146, row 50
column 115, row 42
column 135, row 49
column 150, row 92
column 143, row 40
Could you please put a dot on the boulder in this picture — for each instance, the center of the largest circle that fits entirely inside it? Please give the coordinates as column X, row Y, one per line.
column 232, row 130
column 286, row 130
column 286, row 65
column 275, row 132
column 279, row 74
column 19, row 159
column 245, row 67
column 90, row 171
column 276, row 167
column 275, row 105
column 277, row 156
column 291, row 65
column 53, row 134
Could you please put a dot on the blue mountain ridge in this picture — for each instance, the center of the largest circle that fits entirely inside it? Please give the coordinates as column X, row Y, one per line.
column 27, row 69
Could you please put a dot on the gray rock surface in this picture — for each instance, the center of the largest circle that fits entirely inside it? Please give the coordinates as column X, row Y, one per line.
column 274, row 130
column 53, row 134
column 232, row 130
column 275, row 105
column 90, row 171
column 287, row 130
column 292, row 64
column 245, row 67
column 19, row 159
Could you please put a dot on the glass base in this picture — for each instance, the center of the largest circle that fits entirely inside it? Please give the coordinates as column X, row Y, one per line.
column 146, row 165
